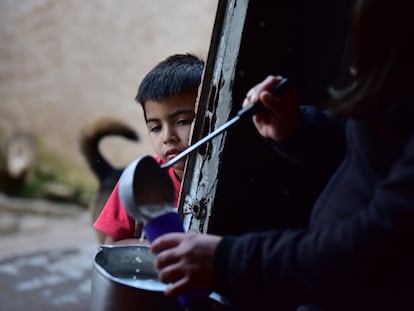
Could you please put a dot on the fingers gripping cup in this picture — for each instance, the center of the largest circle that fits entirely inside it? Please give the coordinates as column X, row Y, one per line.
column 147, row 194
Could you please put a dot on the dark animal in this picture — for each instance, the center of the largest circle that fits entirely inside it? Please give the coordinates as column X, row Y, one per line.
column 91, row 135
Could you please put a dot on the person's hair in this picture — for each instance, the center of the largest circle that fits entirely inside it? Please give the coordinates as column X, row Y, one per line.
column 176, row 75
column 383, row 32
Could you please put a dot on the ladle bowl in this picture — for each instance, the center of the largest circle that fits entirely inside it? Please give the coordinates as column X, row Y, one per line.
column 145, row 187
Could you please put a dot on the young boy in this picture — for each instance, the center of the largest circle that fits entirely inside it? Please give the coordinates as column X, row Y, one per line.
column 167, row 95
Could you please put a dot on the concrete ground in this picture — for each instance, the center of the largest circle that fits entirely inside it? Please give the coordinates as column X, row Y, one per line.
column 46, row 256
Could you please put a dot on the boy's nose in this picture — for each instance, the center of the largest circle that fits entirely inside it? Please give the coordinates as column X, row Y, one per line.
column 169, row 134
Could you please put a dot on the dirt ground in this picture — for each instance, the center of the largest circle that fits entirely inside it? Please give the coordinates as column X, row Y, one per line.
column 46, row 256
column 27, row 226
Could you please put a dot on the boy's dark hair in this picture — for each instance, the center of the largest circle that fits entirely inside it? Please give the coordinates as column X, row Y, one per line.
column 176, row 75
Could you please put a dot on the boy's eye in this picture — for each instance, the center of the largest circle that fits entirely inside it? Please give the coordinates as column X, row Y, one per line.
column 184, row 121
column 154, row 128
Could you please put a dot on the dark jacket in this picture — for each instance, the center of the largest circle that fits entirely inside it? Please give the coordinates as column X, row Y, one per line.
column 357, row 253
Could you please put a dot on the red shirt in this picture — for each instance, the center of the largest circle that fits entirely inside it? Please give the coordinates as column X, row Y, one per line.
column 114, row 220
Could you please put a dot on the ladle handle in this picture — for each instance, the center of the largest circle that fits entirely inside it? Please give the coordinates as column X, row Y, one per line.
column 247, row 111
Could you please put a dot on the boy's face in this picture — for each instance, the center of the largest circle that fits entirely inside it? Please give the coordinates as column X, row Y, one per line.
column 169, row 123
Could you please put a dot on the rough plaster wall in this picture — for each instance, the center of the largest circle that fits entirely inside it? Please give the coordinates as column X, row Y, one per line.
column 65, row 62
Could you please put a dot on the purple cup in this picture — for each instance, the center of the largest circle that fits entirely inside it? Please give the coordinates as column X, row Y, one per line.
column 166, row 223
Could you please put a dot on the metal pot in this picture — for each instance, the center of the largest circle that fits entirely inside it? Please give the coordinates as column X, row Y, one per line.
column 124, row 279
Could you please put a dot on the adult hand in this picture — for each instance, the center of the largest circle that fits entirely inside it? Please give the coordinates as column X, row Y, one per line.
column 185, row 260
column 281, row 116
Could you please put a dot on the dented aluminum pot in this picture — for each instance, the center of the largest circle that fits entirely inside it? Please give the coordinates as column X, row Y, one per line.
column 124, row 279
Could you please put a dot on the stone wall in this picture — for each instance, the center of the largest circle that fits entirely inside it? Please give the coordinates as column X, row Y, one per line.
column 65, row 62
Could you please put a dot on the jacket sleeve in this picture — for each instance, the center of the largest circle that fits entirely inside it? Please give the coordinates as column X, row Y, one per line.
column 319, row 137
column 371, row 249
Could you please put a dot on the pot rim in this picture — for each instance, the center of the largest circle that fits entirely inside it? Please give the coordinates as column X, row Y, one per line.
column 160, row 287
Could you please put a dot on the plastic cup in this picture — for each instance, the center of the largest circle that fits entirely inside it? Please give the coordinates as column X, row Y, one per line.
column 166, row 223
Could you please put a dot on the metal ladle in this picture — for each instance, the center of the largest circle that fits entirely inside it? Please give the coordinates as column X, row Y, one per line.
column 145, row 185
